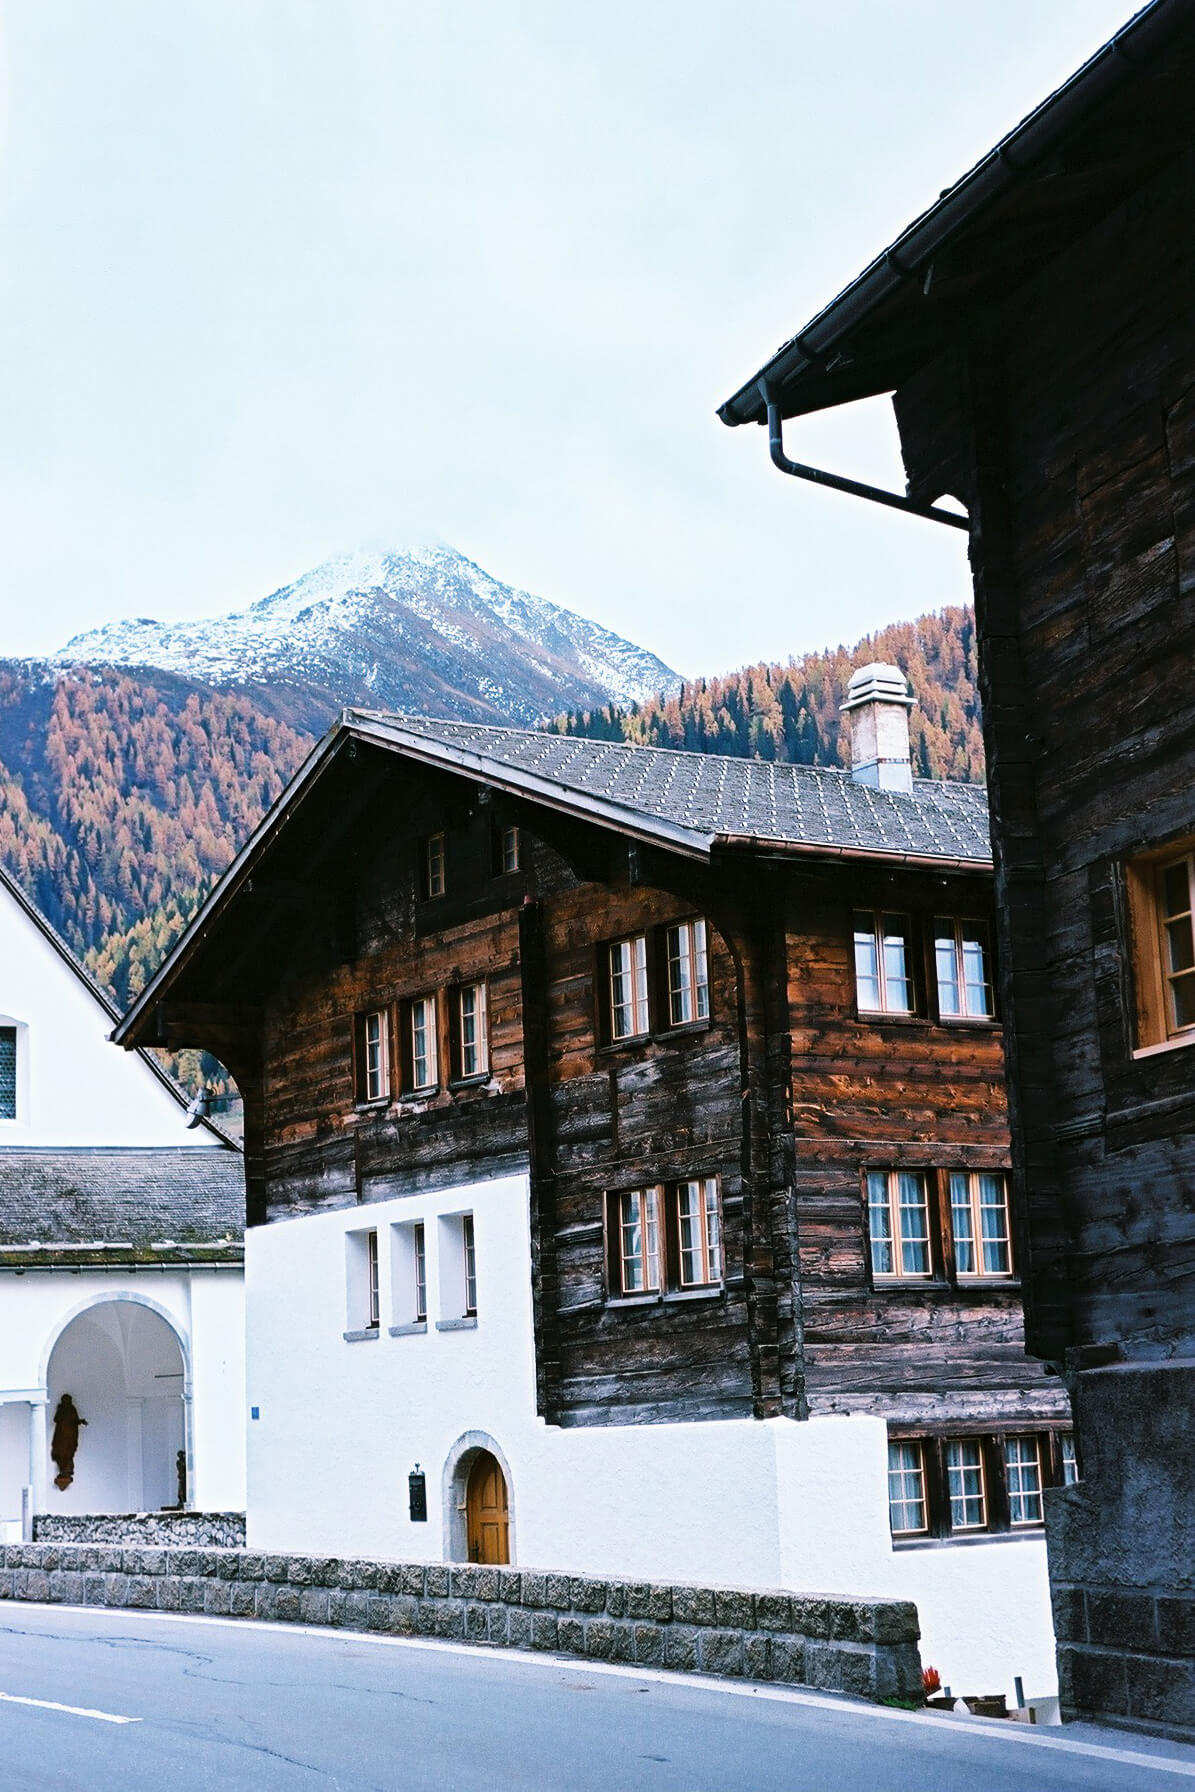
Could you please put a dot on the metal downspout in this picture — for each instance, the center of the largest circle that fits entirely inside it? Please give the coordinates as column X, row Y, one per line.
column 894, row 500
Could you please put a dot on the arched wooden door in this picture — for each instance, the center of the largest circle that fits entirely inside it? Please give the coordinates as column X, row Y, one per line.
column 486, row 1512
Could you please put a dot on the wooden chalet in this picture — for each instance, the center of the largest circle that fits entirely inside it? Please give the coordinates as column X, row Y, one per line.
column 1037, row 330
column 695, row 1057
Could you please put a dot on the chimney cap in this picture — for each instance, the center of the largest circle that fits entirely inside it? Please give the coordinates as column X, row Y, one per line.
column 877, row 683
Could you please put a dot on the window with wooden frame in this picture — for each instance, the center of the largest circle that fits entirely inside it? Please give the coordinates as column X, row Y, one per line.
column 371, row 1048
column 1023, row 1471
column 1161, row 893
column 470, row 1033
column 626, row 988
column 665, row 1239
column 908, row 1504
column 899, row 1225
column 965, row 1486
column 975, row 1484
column 420, row 1045
column 963, row 967
column 698, row 1232
column 883, row 963
column 1068, row 1458
column 979, row 1223
column 926, row 1225
column 469, row 1252
column 687, row 962
column 419, row 1269
column 433, row 868
column 635, row 1240
column 507, row 850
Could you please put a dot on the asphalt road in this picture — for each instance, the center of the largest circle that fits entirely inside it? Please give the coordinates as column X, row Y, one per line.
column 209, row 1703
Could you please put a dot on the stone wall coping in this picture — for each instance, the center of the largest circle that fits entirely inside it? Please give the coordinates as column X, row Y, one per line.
column 864, row 1646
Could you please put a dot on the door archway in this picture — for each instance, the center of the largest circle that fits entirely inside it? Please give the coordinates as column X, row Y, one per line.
column 479, row 1501
column 122, row 1365
column 487, row 1511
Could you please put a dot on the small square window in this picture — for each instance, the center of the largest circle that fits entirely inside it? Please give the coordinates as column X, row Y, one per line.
column 883, row 963
column 979, row 1216
column 1022, row 1467
column 963, row 961
column 688, row 973
column 627, row 970
column 908, row 1508
column 898, row 1223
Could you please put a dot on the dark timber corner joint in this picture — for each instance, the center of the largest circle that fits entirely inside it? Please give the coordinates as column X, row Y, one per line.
column 855, row 487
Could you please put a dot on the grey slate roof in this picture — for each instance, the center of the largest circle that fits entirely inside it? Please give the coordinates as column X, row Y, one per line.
column 719, row 798
column 106, row 1205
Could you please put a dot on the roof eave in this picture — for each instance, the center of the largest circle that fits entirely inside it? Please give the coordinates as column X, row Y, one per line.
column 1003, row 166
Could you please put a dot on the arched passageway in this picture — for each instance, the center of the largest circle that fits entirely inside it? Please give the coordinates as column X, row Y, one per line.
column 121, row 1366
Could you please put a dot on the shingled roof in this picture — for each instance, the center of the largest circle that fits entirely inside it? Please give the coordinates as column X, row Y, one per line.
column 110, row 1206
column 711, row 798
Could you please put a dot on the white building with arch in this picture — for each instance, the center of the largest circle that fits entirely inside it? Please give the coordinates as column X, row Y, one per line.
column 121, row 1278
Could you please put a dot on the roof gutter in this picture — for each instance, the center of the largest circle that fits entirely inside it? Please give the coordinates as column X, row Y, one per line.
column 856, row 489
column 806, row 849
column 1002, row 168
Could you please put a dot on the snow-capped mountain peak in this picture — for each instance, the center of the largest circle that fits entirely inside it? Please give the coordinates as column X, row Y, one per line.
column 421, row 628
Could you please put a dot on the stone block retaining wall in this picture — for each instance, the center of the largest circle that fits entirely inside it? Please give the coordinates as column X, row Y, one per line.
column 867, row 1647
column 196, row 1530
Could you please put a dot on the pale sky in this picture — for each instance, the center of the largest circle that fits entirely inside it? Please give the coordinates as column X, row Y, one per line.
column 279, row 278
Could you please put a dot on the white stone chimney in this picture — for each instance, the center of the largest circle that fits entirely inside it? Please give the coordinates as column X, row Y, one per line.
column 878, row 703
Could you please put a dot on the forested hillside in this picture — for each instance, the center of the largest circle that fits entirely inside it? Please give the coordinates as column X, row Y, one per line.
column 121, row 800
column 789, row 711
column 124, row 795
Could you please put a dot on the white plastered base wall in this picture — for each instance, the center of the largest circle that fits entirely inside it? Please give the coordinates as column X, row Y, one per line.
column 341, row 1423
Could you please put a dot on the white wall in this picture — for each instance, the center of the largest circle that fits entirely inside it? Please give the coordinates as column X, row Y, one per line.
column 110, row 1340
column 73, row 1087
column 342, row 1423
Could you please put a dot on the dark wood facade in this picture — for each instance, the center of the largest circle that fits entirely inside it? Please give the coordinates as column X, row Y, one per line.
column 784, row 1093
column 1037, row 329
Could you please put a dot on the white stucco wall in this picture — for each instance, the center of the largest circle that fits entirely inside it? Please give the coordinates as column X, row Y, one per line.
column 342, row 1423
column 73, row 1087
column 134, row 1334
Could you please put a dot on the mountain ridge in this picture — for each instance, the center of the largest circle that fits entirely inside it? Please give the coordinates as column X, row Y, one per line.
column 422, row 628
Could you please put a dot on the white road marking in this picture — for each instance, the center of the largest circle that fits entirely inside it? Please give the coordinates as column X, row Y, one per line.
column 1049, row 1737
column 104, row 1717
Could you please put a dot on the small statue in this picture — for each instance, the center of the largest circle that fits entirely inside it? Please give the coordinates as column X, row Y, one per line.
column 180, row 1464
column 65, row 1441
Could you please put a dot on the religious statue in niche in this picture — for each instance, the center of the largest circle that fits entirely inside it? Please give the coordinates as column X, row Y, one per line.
column 65, row 1441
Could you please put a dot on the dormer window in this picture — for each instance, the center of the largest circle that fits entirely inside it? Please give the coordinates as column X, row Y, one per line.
column 8, row 1073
